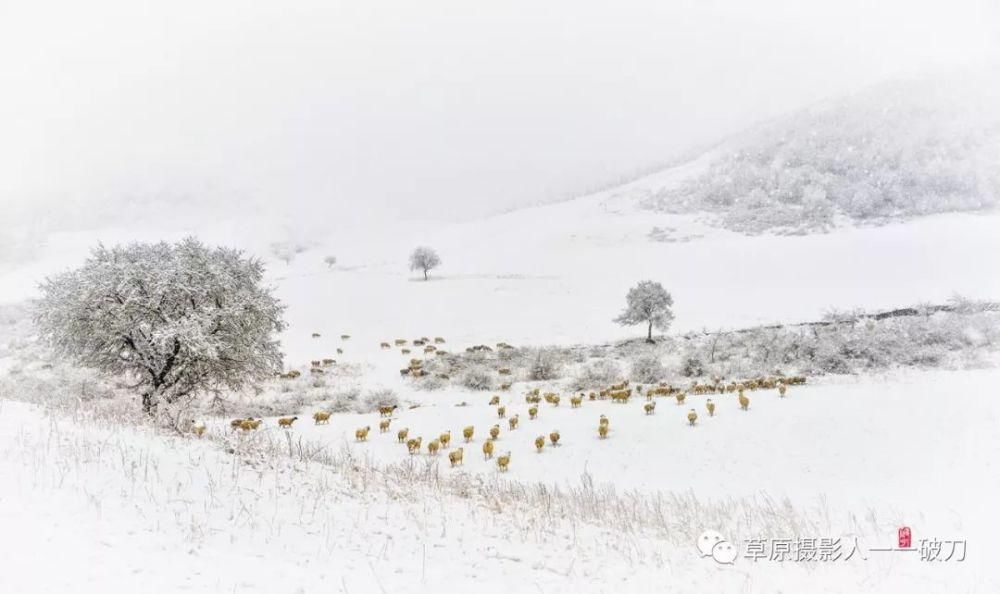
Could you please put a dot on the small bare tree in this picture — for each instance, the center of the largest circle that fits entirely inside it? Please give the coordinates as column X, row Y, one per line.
column 647, row 303
column 178, row 319
column 425, row 259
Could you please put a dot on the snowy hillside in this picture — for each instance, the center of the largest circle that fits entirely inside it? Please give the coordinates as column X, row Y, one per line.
column 893, row 151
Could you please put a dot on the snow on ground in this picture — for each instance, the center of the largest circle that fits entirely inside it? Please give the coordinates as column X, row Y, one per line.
column 124, row 508
column 558, row 274
column 117, row 509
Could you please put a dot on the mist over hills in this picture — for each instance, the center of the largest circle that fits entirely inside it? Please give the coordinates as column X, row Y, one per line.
column 896, row 150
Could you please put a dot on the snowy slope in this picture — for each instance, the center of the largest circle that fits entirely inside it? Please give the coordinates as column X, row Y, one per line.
column 559, row 273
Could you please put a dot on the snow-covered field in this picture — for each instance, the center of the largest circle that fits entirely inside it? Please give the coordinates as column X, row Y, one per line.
column 118, row 507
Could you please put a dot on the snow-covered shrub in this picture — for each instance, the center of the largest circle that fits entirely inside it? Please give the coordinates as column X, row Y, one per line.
column 596, row 374
column 347, row 399
column 478, row 377
column 647, row 369
column 545, row 365
column 379, row 397
column 430, row 383
column 286, row 250
column 178, row 320
column 693, row 367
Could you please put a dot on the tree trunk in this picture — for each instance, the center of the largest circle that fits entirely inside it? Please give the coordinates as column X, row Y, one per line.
column 425, row 274
column 148, row 403
column 649, row 333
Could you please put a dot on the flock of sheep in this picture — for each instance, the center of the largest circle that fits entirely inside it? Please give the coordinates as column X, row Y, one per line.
column 621, row 393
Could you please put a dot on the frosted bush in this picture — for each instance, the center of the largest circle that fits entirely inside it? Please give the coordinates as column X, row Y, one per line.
column 478, row 378
column 647, row 369
column 596, row 374
column 545, row 365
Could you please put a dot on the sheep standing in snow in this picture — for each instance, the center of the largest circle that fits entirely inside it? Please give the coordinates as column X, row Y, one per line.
column 503, row 462
column 744, row 401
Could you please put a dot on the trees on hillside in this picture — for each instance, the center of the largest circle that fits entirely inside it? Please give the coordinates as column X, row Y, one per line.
column 424, row 259
column 175, row 319
column 647, row 303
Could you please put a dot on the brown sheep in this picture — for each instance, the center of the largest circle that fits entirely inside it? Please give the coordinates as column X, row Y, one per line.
column 505, row 387
column 781, row 390
column 433, row 447
column 438, row 340
column 504, row 371
column 404, row 351
column 386, row 411
column 603, row 422
column 487, row 449
column 649, row 407
column 455, row 457
column 501, row 411
column 554, row 438
column 328, row 362
column 576, row 401
column 512, row 422
column 362, row 434
column 711, row 407
column 744, row 401
column 286, row 422
column 198, row 430
column 680, row 398
column 345, row 337
column 340, row 351
column 494, row 400
column 315, row 334
column 383, row 425
column 235, row 423
column 533, row 413
column 503, row 462
column 445, row 440
column 495, row 432
column 385, row 345
column 400, row 341
column 413, row 445
column 402, row 434
column 321, row 417
column 316, row 363
column 467, row 433
column 249, row 424
column 692, row 417
column 602, row 431
column 540, row 443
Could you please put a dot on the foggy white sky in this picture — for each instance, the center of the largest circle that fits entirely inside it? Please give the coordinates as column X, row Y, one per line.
column 440, row 109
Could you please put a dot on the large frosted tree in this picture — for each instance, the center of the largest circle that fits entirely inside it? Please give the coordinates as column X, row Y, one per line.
column 176, row 319
column 647, row 303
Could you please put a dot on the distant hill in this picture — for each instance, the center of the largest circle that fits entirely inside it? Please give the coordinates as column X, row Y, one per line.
column 896, row 150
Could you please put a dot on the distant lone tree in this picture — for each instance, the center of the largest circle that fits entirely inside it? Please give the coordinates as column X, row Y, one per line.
column 330, row 261
column 425, row 259
column 647, row 303
column 177, row 320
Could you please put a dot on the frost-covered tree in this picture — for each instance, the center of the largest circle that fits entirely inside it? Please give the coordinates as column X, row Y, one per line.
column 330, row 261
column 424, row 259
column 176, row 319
column 647, row 303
